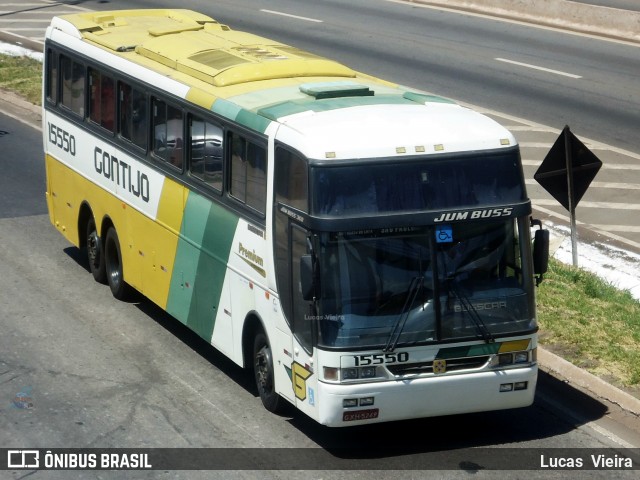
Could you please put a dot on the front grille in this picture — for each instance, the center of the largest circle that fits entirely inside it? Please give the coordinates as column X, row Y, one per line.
column 453, row 364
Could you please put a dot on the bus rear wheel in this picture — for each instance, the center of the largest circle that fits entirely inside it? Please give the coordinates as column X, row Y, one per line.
column 95, row 252
column 113, row 266
column 263, row 372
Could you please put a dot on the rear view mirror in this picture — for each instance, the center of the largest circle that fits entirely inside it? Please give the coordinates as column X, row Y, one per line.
column 540, row 254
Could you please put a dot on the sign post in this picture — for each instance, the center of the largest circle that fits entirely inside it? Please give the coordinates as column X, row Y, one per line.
column 566, row 173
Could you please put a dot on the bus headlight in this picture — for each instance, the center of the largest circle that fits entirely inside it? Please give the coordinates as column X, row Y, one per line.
column 368, row 372
column 352, row 374
column 513, row 358
column 505, row 359
column 349, row 373
column 521, row 357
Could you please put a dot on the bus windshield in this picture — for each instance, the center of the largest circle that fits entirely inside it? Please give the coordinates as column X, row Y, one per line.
column 474, row 179
column 402, row 287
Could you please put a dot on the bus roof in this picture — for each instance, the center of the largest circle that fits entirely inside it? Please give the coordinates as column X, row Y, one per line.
column 327, row 109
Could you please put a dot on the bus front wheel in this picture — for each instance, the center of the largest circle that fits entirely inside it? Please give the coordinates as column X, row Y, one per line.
column 263, row 372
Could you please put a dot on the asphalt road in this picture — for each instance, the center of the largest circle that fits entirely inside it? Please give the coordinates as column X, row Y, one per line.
column 623, row 4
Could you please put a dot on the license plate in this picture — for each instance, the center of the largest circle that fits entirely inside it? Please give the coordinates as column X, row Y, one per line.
column 360, row 415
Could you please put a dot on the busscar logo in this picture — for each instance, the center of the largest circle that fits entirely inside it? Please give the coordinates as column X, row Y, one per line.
column 23, row 459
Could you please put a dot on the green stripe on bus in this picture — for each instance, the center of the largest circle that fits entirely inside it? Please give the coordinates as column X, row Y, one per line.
column 468, row 351
column 244, row 117
column 225, row 108
column 201, row 262
column 292, row 107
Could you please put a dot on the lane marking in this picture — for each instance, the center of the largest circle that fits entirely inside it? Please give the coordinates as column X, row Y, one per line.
column 527, row 22
column 594, row 144
column 618, row 228
column 33, row 20
column 617, row 186
column 536, row 67
column 306, row 19
column 18, row 118
column 587, row 204
column 593, row 228
column 527, row 128
column 605, row 166
column 536, row 145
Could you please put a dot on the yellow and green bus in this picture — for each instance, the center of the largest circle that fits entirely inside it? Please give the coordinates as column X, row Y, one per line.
column 363, row 247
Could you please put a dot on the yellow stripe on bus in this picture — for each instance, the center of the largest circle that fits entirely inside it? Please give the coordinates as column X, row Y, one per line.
column 514, row 346
column 159, row 241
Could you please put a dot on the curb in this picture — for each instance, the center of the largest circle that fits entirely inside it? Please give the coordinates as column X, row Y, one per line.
column 608, row 22
column 16, row 107
column 597, row 388
column 19, row 41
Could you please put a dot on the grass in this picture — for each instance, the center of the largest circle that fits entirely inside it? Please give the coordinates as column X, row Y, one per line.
column 23, row 76
column 582, row 318
column 590, row 323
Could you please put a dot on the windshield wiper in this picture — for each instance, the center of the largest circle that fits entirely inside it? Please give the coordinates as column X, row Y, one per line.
column 468, row 307
column 412, row 293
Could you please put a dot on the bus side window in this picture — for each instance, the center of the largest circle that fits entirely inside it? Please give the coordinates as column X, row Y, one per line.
column 302, row 325
column 101, row 99
column 133, row 115
column 248, row 172
column 73, row 88
column 52, row 76
column 168, row 133
column 206, row 152
column 291, row 180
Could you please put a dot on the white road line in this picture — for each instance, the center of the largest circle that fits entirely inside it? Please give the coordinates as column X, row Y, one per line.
column 618, row 228
column 22, row 37
column 55, row 3
column 46, row 21
column 605, row 166
column 586, row 204
column 34, row 12
column 528, row 128
column 27, row 29
column 530, row 23
column 617, row 186
column 620, row 166
column 21, row 120
column 593, row 144
column 306, row 19
column 566, row 219
column 535, row 144
column 535, row 67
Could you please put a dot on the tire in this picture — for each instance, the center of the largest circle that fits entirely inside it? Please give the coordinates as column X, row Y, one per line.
column 263, row 373
column 113, row 266
column 95, row 252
